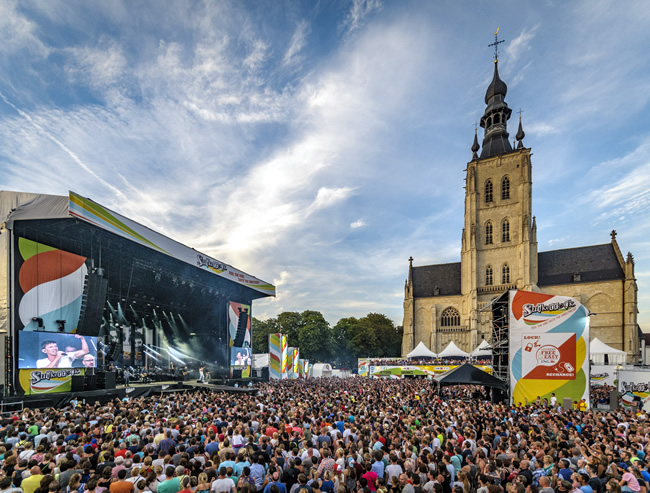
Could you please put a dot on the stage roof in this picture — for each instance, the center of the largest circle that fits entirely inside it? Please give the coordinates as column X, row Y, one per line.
column 18, row 206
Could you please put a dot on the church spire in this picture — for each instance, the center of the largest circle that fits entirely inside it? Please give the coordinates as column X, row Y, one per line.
column 495, row 118
column 520, row 134
column 497, row 113
column 475, row 146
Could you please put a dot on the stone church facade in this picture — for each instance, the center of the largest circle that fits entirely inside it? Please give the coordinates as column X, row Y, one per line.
column 449, row 302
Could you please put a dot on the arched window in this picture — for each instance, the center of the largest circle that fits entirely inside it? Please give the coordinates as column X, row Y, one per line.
column 489, row 189
column 488, row 233
column 505, row 231
column 505, row 274
column 489, row 278
column 450, row 317
column 505, row 188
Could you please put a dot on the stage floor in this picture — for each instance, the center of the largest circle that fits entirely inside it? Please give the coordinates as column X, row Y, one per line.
column 61, row 400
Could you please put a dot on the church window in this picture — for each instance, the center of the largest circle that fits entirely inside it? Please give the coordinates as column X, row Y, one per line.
column 505, row 188
column 488, row 191
column 497, row 119
column 450, row 317
column 505, row 274
column 488, row 233
column 489, row 278
column 505, row 231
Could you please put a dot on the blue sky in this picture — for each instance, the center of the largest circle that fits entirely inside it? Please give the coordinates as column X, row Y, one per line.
column 318, row 145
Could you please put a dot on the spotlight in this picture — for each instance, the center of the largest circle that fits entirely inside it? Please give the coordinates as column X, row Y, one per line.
column 61, row 324
column 39, row 321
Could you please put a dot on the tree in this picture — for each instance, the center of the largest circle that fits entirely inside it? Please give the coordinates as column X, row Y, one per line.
column 290, row 323
column 344, row 353
column 315, row 337
column 388, row 337
column 260, row 336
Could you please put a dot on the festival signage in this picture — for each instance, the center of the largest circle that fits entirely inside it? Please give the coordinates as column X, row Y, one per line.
column 603, row 375
column 277, row 356
column 549, row 347
column 96, row 214
column 47, row 381
column 415, row 370
column 634, row 387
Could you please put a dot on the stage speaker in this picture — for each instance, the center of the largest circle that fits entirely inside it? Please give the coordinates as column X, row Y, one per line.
column 242, row 324
column 77, row 383
column 109, row 380
column 567, row 404
column 613, row 400
column 92, row 305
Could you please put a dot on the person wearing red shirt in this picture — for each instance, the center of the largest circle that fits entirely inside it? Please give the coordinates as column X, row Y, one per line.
column 371, row 477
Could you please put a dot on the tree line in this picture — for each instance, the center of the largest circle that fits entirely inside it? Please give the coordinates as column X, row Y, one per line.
column 373, row 336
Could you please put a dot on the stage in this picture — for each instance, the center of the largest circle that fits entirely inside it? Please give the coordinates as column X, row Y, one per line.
column 134, row 391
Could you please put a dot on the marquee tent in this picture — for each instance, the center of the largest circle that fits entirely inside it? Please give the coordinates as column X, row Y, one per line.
column 421, row 351
column 482, row 350
column 598, row 349
column 467, row 374
column 453, row 351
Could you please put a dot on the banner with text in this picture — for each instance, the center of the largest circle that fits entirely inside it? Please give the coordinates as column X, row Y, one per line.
column 549, row 347
column 47, row 381
column 634, row 387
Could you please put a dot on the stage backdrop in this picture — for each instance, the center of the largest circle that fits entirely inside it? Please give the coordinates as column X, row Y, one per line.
column 549, row 347
column 603, row 375
column 49, row 286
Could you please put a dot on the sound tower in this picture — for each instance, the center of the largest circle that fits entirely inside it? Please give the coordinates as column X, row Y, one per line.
column 242, row 325
column 92, row 304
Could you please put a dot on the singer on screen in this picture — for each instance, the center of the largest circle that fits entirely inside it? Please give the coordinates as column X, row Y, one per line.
column 60, row 359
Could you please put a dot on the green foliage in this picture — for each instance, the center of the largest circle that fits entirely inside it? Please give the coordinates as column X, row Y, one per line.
column 372, row 336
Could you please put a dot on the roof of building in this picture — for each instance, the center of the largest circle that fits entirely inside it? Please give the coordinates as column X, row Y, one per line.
column 568, row 266
column 589, row 264
column 436, row 280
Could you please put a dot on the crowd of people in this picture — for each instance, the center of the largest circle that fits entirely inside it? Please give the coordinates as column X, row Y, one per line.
column 323, row 436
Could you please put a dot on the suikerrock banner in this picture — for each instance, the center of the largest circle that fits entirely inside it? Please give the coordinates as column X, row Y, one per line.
column 47, row 381
column 549, row 347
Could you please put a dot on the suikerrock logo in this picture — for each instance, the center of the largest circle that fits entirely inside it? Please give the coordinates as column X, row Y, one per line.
column 548, row 308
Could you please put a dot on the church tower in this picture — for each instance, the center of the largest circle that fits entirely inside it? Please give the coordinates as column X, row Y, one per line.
column 499, row 244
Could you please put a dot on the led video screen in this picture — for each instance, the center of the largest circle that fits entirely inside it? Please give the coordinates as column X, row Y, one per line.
column 56, row 350
column 240, row 357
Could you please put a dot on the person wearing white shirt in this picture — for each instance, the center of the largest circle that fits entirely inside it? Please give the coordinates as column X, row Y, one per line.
column 60, row 359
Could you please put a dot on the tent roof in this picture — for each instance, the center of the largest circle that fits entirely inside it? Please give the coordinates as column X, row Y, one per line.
column 421, row 351
column 452, row 350
column 598, row 350
column 467, row 374
column 599, row 347
column 483, row 349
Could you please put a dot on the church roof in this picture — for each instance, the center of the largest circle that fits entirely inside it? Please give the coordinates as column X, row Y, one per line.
column 590, row 263
column 444, row 277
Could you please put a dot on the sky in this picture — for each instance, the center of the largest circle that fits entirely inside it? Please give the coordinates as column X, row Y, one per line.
column 318, row 145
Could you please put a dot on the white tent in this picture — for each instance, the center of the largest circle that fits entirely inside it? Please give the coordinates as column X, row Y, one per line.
column 482, row 350
column 453, row 351
column 598, row 349
column 421, row 351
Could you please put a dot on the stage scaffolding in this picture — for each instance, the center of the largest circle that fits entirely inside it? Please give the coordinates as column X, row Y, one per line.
column 500, row 337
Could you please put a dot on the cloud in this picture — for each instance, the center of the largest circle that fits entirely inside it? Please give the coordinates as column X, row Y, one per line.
column 18, row 33
column 292, row 55
column 521, row 44
column 359, row 223
column 359, row 11
column 99, row 68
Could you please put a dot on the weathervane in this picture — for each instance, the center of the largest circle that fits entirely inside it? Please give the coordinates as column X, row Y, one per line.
column 496, row 44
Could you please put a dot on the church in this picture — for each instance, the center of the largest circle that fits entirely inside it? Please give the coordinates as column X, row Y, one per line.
column 450, row 302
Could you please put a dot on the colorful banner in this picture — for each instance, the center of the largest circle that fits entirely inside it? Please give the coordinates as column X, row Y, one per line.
column 47, row 381
column 603, row 375
column 363, row 367
column 634, row 387
column 549, row 347
column 296, row 362
column 411, row 370
column 101, row 217
column 49, row 287
column 277, row 356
